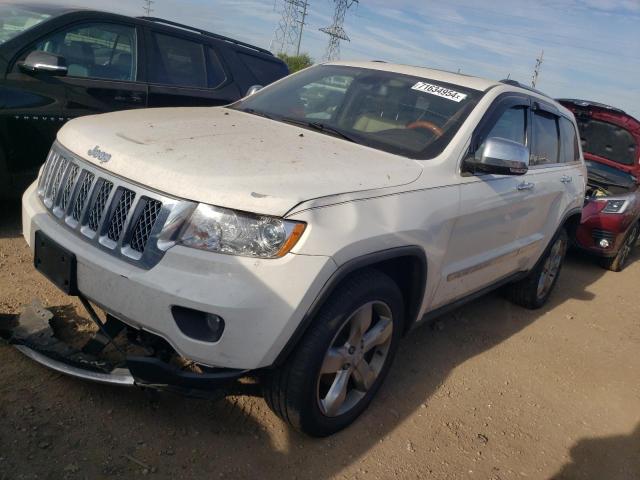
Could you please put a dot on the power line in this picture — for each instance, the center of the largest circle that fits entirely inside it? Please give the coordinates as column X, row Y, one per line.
column 148, row 7
column 288, row 34
column 536, row 70
column 336, row 30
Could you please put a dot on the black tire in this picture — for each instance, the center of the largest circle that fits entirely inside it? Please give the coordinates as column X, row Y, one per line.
column 526, row 292
column 617, row 263
column 293, row 390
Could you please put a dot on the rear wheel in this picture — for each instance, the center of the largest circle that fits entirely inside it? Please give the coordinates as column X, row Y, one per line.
column 617, row 263
column 533, row 291
column 342, row 360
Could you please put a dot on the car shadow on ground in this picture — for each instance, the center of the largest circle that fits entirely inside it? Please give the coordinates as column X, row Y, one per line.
column 10, row 214
column 239, row 437
column 611, row 458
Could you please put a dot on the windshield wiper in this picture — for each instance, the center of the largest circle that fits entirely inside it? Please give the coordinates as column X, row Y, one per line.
column 322, row 127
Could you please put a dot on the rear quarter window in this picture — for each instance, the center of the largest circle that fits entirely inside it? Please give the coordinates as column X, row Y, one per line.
column 569, row 150
column 265, row 71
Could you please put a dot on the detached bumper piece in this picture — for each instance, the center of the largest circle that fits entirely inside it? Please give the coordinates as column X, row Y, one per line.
column 36, row 333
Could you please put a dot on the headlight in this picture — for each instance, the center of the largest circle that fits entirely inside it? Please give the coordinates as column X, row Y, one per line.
column 615, row 206
column 227, row 231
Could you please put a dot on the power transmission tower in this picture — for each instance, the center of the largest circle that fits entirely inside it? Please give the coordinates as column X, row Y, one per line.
column 148, row 7
column 336, row 30
column 536, row 70
column 288, row 34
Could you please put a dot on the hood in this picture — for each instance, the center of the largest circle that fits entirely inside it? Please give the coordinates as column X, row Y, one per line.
column 608, row 134
column 232, row 159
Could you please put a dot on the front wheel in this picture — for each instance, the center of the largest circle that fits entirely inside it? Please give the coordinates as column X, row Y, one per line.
column 617, row 263
column 342, row 360
column 534, row 290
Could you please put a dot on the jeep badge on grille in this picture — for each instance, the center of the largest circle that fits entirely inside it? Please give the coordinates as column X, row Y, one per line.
column 102, row 157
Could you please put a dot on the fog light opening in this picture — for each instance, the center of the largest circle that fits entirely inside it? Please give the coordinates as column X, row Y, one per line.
column 604, row 243
column 203, row 326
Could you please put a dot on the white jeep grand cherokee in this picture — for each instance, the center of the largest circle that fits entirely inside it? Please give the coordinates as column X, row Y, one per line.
column 298, row 234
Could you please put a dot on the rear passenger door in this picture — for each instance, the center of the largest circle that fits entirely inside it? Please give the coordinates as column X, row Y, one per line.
column 553, row 178
column 185, row 71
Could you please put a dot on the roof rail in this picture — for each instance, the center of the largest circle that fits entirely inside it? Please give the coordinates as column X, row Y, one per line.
column 515, row 83
column 205, row 33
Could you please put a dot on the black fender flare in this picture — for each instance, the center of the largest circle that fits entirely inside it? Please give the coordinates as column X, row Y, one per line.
column 344, row 270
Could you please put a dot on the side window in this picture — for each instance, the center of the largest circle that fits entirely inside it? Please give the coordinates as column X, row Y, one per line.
column 265, row 71
column 569, row 151
column 176, row 61
column 511, row 125
column 217, row 75
column 544, row 149
column 98, row 50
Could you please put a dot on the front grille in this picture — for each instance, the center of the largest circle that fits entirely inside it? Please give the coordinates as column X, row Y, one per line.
column 121, row 218
column 599, row 234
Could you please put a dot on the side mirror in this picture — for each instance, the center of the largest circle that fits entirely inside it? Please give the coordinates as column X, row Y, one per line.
column 44, row 62
column 253, row 89
column 500, row 156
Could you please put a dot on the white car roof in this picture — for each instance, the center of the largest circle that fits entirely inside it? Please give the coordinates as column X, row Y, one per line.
column 475, row 83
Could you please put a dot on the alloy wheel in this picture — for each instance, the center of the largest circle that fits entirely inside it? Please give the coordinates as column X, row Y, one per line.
column 355, row 359
column 551, row 267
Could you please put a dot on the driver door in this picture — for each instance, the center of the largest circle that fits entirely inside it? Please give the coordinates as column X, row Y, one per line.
column 484, row 246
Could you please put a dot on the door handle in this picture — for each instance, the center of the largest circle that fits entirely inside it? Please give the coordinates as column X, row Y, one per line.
column 526, row 186
column 566, row 179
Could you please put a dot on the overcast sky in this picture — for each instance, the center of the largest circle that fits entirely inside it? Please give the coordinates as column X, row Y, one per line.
column 591, row 47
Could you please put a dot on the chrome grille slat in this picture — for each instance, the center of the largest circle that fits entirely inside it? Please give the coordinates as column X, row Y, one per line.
column 99, row 205
column 57, row 179
column 55, row 163
column 117, row 217
column 120, row 214
column 83, row 193
column 69, row 184
column 143, row 227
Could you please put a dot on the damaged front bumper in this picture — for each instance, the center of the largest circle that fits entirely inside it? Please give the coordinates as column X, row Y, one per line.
column 35, row 333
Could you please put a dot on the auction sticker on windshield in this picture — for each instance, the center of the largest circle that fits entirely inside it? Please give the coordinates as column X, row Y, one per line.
column 439, row 91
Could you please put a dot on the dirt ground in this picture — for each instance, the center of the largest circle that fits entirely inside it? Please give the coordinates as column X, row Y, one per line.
column 492, row 392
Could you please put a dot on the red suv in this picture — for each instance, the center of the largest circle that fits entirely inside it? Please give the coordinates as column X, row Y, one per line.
column 611, row 216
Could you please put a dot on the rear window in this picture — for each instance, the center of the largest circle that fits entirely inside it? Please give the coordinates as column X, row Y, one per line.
column 265, row 71
column 607, row 140
column 176, row 61
column 545, row 139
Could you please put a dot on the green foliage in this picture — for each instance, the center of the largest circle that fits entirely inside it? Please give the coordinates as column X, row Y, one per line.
column 296, row 62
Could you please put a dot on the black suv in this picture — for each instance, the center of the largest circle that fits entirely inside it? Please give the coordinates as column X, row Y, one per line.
column 58, row 63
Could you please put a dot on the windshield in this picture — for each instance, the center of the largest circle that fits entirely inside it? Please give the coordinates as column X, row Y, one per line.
column 15, row 20
column 401, row 114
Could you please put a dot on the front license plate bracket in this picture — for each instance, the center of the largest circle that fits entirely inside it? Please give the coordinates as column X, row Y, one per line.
column 56, row 263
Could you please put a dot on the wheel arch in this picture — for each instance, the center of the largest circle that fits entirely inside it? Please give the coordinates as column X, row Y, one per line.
column 407, row 266
column 571, row 222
